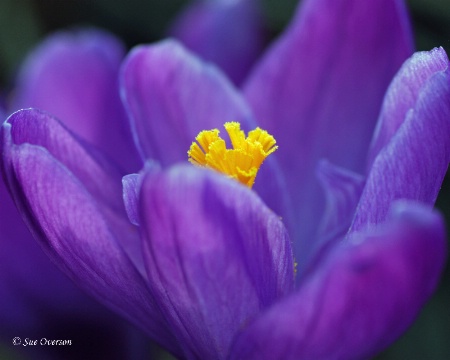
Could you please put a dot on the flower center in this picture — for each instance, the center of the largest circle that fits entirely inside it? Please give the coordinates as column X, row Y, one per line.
column 242, row 162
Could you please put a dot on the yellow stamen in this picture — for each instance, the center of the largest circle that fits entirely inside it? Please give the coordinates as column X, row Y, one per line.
column 243, row 161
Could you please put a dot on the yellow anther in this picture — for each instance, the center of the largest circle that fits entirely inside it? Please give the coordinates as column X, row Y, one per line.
column 243, row 161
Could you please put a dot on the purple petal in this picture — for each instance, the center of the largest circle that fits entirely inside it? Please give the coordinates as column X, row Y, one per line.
column 89, row 240
column 342, row 190
column 215, row 256
column 361, row 298
column 131, row 188
column 75, row 77
column 101, row 178
column 171, row 96
column 403, row 93
column 230, row 34
column 27, row 276
column 37, row 298
column 78, row 239
column 320, row 88
column 413, row 164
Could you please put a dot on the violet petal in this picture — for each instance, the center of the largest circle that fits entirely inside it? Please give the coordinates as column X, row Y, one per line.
column 171, row 96
column 361, row 298
column 74, row 76
column 101, row 178
column 413, row 164
column 230, row 34
column 27, row 276
column 320, row 88
column 215, row 256
column 131, row 188
column 403, row 94
column 342, row 190
column 37, row 298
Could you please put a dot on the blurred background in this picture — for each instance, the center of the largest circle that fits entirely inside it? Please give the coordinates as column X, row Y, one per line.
column 23, row 23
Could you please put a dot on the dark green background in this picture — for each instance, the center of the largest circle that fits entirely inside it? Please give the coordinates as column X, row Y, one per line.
column 24, row 22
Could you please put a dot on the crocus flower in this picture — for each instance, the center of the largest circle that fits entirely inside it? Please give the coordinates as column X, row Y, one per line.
column 204, row 264
column 229, row 33
column 37, row 299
